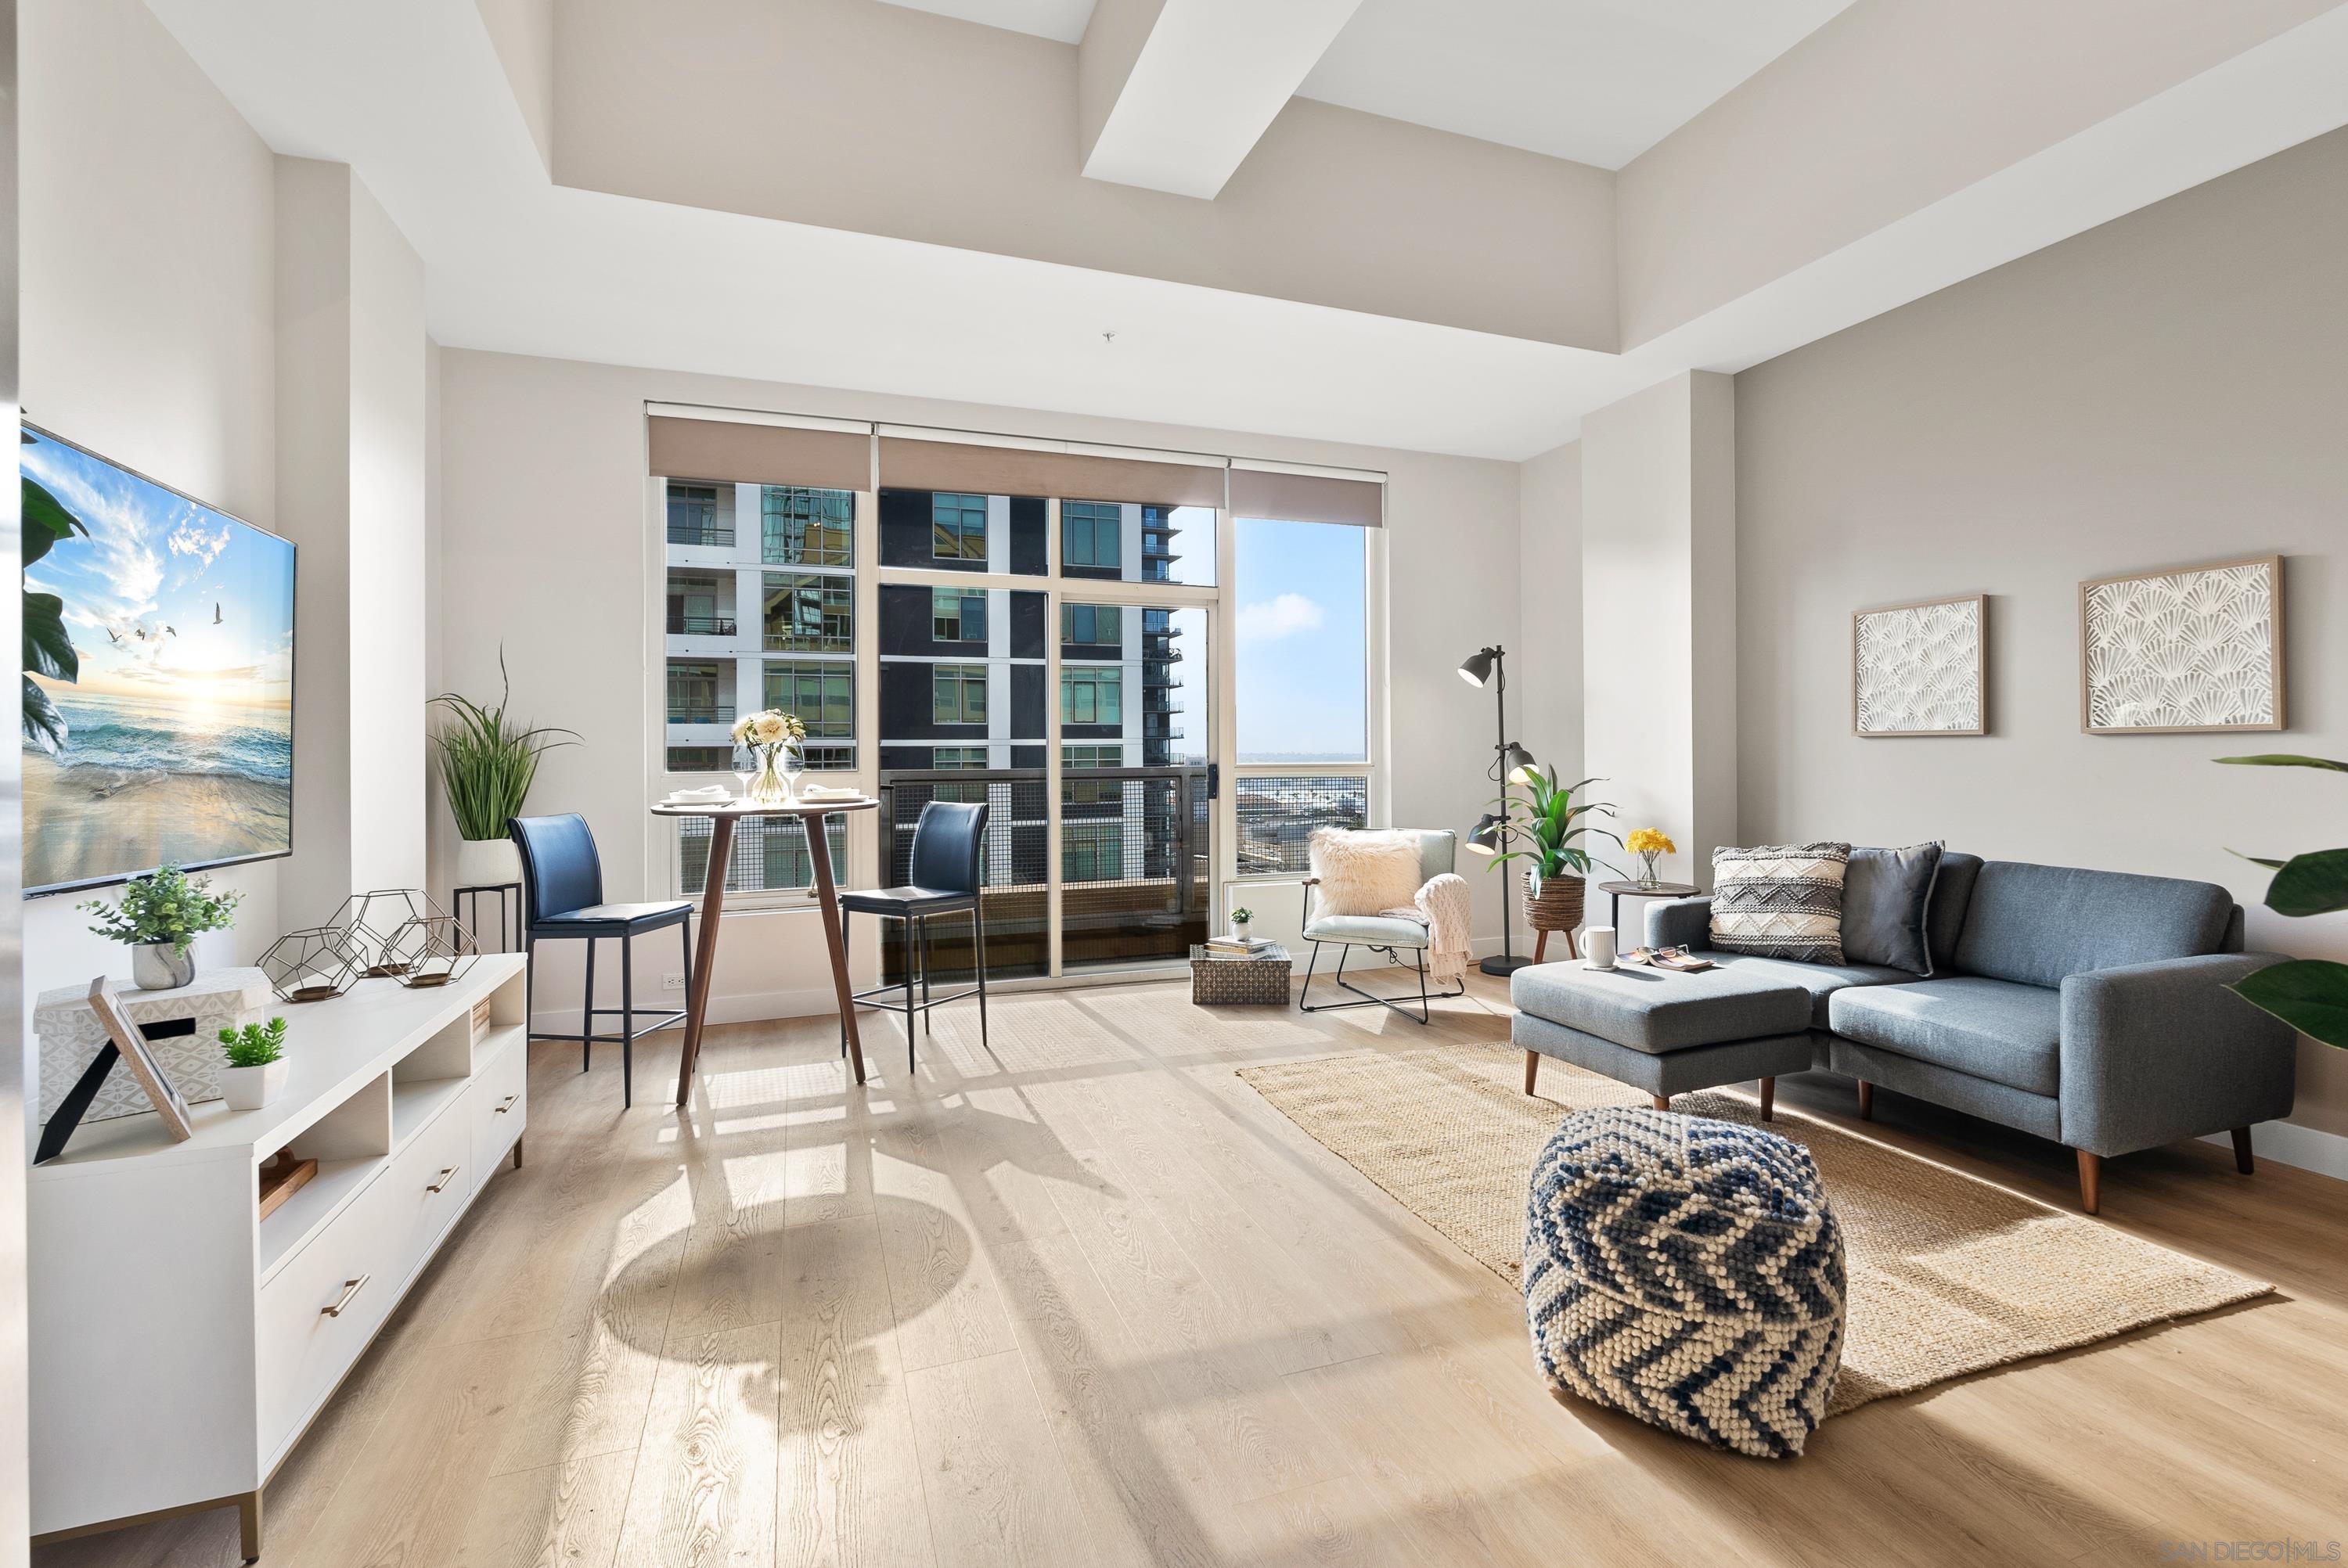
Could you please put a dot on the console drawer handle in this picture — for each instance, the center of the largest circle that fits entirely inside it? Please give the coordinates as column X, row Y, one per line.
column 506, row 1106
column 443, row 1182
column 351, row 1287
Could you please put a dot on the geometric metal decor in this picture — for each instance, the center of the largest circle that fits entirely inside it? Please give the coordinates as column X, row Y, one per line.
column 369, row 921
column 310, row 966
column 431, row 950
column 2183, row 650
column 1920, row 669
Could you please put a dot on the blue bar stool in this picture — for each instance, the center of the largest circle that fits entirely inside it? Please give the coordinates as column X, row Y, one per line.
column 947, row 872
column 562, row 900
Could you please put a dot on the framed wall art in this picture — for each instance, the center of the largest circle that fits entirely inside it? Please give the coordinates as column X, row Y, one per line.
column 1920, row 669
column 2181, row 650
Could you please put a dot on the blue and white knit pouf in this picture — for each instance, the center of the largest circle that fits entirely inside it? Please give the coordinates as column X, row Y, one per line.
column 1688, row 1271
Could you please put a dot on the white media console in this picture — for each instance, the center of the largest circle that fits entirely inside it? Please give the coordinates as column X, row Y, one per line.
column 181, row 1343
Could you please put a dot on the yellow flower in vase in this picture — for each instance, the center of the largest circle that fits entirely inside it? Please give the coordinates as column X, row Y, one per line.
column 1647, row 843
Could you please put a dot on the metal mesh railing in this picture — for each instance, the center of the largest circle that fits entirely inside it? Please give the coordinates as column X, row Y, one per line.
column 1277, row 814
column 769, row 855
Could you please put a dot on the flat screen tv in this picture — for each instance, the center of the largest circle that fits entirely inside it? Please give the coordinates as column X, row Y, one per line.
column 158, row 681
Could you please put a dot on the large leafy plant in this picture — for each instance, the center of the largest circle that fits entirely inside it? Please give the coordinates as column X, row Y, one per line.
column 1544, row 818
column 166, row 905
column 49, row 650
column 487, row 761
column 2309, row 994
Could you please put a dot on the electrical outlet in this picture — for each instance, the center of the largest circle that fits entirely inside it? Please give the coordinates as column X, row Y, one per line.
column 672, row 982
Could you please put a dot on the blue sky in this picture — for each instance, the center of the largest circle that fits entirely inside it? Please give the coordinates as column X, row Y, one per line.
column 141, row 591
column 1302, row 686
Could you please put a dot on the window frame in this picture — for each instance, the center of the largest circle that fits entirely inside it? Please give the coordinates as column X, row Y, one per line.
column 959, row 529
column 964, row 677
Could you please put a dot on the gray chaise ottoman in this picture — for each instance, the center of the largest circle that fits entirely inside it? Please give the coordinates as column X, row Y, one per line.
column 1664, row 1032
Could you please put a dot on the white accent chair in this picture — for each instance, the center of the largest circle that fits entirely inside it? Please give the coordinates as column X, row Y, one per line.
column 1392, row 935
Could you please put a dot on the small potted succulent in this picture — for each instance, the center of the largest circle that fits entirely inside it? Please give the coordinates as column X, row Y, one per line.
column 159, row 918
column 255, row 1073
column 1239, row 918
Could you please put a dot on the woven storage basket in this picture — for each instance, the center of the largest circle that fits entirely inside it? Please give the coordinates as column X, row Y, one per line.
column 1556, row 905
column 1238, row 982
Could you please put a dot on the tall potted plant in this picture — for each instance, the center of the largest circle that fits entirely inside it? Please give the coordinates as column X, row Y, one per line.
column 486, row 764
column 1547, row 823
column 2309, row 994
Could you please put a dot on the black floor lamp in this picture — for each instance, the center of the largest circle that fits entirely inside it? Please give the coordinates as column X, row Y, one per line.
column 1510, row 763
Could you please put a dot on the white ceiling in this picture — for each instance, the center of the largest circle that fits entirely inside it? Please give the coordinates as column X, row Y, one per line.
column 1597, row 81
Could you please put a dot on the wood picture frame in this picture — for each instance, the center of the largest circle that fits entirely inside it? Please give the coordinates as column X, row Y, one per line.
column 1979, row 666
column 177, row 1118
column 2267, row 567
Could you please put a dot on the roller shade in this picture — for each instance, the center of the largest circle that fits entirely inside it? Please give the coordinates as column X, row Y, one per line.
column 907, row 464
column 760, row 454
column 1299, row 497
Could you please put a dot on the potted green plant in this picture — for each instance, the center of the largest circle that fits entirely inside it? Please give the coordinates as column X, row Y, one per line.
column 1239, row 918
column 486, row 764
column 1547, row 823
column 159, row 918
column 256, row 1070
column 2309, row 994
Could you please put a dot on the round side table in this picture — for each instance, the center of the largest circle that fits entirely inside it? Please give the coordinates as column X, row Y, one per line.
column 1617, row 890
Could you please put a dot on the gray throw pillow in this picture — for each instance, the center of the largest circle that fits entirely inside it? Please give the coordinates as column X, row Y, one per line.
column 1885, row 894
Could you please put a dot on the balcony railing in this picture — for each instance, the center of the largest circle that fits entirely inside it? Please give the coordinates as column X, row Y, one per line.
column 719, row 715
column 700, row 533
column 701, row 625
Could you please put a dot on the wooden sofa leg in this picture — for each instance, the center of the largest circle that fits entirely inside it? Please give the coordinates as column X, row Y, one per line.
column 1662, row 1101
column 1532, row 1070
column 2242, row 1150
column 2091, row 1181
column 1769, row 1097
column 1866, row 1101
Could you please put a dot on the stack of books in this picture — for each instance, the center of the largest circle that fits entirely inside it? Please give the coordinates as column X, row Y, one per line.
column 1236, row 946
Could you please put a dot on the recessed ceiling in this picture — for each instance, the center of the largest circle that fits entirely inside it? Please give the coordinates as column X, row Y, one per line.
column 1597, row 81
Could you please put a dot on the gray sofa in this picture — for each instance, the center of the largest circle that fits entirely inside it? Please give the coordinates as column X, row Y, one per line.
column 2087, row 1007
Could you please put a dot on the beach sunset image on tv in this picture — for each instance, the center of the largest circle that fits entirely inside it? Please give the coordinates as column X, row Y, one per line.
column 159, row 693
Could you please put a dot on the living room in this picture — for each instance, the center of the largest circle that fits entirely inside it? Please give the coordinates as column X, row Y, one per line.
column 1797, row 515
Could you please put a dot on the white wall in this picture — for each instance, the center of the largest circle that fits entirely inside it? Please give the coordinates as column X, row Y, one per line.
column 1658, row 573
column 1545, row 661
column 547, row 550
column 148, row 207
column 2163, row 390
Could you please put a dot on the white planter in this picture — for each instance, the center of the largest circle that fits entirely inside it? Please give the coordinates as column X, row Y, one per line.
column 160, row 967
column 250, row 1087
column 488, row 863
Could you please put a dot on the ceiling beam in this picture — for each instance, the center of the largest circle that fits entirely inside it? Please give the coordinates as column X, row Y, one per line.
column 1172, row 95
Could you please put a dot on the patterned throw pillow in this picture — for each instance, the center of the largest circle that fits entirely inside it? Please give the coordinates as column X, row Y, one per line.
column 1780, row 901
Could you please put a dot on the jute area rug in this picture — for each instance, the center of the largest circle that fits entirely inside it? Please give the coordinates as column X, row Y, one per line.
column 1948, row 1275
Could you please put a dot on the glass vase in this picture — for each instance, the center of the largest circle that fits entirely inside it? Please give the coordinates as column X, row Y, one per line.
column 772, row 785
column 1648, row 876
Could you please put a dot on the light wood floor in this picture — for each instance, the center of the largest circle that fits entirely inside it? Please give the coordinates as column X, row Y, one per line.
column 1088, row 1299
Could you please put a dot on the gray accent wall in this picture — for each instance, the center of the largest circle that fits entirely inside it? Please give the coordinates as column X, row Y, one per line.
column 2163, row 390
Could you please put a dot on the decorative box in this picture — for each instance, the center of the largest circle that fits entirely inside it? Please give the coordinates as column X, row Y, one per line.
column 1258, row 981
column 182, row 1029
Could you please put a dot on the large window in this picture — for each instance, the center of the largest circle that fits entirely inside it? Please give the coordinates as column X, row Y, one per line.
column 694, row 696
column 1092, row 533
column 957, row 527
column 958, row 694
column 822, row 692
column 958, row 614
column 1092, row 694
column 800, row 527
column 811, row 614
column 692, row 516
column 1092, row 625
column 1302, row 688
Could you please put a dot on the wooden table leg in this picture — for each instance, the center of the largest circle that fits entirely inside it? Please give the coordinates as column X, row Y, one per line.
column 705, row 958
column 827, row 894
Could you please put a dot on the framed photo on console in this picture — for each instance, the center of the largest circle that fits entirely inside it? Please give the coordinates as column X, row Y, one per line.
column 142, row 1061
column 1920, row 669
column 2182, row 649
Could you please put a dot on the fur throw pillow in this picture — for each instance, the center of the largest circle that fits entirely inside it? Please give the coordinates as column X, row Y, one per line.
column 1364, row 873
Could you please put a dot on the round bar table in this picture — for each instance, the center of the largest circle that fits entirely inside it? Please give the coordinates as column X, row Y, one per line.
column 814, row 816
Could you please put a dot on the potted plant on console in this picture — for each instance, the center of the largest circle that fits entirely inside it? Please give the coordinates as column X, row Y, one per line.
column 255, row 1073
column 159, row 918
column 1546, row 823
column 487, row 765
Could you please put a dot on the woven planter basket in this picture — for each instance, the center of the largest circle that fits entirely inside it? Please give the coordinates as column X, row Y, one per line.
column 1555, row 904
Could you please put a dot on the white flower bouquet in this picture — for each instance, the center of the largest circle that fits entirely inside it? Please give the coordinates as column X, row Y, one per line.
column 770, row 734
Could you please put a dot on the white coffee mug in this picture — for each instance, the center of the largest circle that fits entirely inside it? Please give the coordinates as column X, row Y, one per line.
column 1598, row 946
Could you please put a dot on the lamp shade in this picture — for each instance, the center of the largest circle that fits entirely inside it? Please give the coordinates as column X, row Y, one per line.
column 1484, row 838
column 1517, row 765
column 1478, row 668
